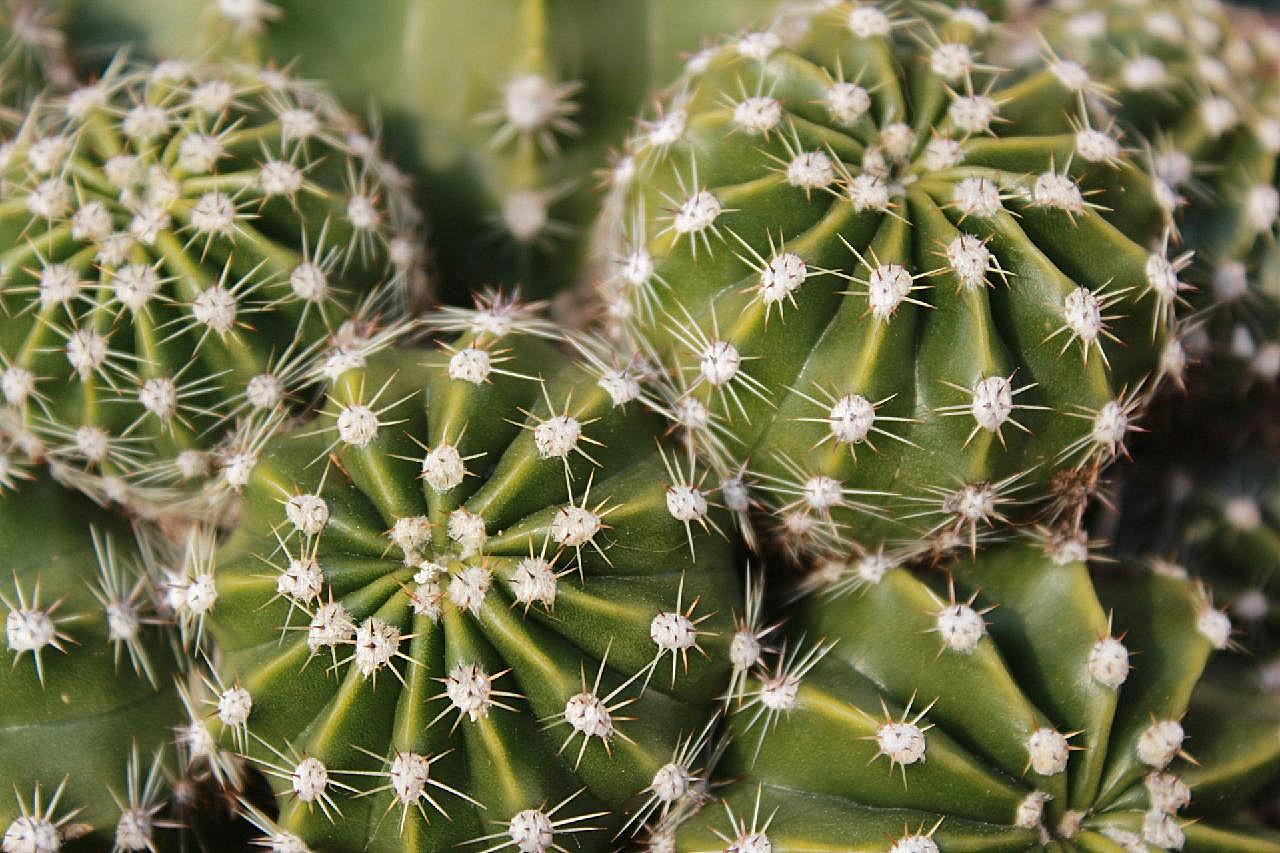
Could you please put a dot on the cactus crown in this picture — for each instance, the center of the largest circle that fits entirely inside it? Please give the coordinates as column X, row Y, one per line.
column 875, row 287
column 183, row 243
column 463, row 606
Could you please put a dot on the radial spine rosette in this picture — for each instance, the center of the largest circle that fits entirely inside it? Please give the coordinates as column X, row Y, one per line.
column 463, row 605
column 89, row 699
column 1198, row 79
column 881, row 308
column 185, row 243
column 1021, row 706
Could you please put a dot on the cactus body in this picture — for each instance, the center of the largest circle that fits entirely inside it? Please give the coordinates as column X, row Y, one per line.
column 88, row 695
column 464, row 607
column 1024, row 707
column 900, row 314
column 183, row 245
column 1197, row 79
column 506, row 140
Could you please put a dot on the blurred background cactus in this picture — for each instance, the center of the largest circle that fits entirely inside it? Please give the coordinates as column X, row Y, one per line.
column 183, row 246
column 508, row 140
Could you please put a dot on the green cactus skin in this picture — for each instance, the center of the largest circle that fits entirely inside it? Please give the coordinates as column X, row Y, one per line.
column 88, row 700
column 183, row 246
column 472, row 546
column 1198, row 79
column 32, row 57
column 849, row 313
column 593, row 65
column 1021, row 705
column 1219, row 523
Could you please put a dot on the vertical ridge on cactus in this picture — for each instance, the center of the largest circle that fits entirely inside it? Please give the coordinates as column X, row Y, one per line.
column 905, row 311
column 186, row 244
column 471, row 603
column 1057, row 718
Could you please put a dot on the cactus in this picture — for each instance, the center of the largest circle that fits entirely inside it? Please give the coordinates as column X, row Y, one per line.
column 506, row 140
column 1197, row 79
column 1020, row 705
column 463, row 606
column 1219, row 523
column 900, row 315
column 88, row 693
column 183, row 244
column 32, row 57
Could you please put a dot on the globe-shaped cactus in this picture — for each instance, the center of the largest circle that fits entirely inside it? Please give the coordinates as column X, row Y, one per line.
column 463, row 606
column 89, row 699
column 1197, row 79
column 1018, row 705
column 884, row 306
column 182, row 244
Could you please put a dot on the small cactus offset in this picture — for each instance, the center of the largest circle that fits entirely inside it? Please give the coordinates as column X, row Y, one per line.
column 88, row 693
column 882, row 309
column 475, row 603
column 1019, row 705
column 182, row 245
column 1198, row 79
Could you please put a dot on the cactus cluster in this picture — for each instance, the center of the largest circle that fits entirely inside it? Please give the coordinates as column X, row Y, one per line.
column 185, row 246
column 884, row 475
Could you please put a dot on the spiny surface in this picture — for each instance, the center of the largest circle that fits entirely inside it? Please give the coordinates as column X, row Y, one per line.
column 1050, row 717
column 89, row 701
column 464, row 608
column 1198, row 79
column 879, row 297
column 184, row 245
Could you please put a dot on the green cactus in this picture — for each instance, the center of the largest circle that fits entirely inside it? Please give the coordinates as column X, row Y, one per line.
column 32, row 57
column 464, row 605
column 88, row 700
column 505, row 140
column 890, row 312
column 1197, row 79
column 1219, row 523
column 184, row 245
column 1019, row 705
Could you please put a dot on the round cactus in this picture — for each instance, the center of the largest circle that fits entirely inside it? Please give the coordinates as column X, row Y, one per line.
column 884, row 308
column 463, row 606
column 1021, row 705
column 88, row 692
column 184, row 243
column 1198, row 81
